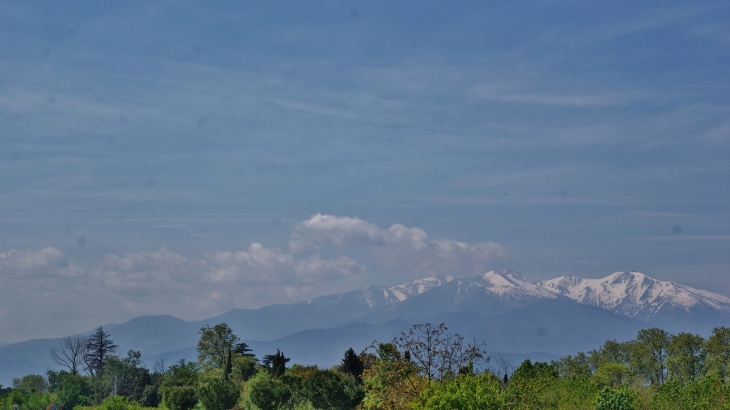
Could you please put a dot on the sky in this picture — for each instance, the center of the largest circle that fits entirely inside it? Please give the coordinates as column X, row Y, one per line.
column 189, row 157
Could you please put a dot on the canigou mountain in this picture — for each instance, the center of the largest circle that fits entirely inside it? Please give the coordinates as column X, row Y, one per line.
column 511, row 313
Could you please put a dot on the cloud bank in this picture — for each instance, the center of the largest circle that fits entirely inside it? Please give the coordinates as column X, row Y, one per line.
column 39, row 286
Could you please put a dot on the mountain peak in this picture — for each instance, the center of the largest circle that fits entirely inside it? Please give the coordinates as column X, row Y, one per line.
column 634, row 294
column 418, row 286
column 628, row 276
column 508, row 282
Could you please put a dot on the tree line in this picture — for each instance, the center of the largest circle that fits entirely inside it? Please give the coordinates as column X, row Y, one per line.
column 424, row 368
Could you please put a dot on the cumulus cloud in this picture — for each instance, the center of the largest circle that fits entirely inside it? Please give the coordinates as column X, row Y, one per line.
column 48, row 262
column 401, row 247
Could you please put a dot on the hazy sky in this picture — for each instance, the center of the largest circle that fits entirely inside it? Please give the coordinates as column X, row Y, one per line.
column 186, row 158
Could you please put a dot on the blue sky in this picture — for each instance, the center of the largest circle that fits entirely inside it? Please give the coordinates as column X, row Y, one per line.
column 187, row 158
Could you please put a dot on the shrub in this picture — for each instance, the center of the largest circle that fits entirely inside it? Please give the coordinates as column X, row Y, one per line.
column 612, row 399
column 219, row 394
column 464, row 392
column 180, row 397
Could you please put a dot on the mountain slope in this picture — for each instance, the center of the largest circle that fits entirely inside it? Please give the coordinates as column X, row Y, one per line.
column 513, row 314
column 555, row 326
column 490, row 293
column 633, row 294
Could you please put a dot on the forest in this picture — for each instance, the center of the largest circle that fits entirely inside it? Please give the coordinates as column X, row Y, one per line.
column 424, row 368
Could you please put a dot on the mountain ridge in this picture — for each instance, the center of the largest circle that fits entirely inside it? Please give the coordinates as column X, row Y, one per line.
column 552, row 317
column 636, row 295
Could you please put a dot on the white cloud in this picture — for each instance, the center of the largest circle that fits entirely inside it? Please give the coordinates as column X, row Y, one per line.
column 218, row 273
column 119, row 287
column 48, row 262
column 315, row 267
column 401, row 247
column 143, row 273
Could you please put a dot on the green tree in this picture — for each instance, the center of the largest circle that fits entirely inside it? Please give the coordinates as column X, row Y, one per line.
column 649, row 354
column 390, row 381
column 36, row 401
column 218, row 394
column 529, row 384
column 215, row 347
column 717, row 351
column 577, row 393
column 182, row 374
column 16, row 397
column 686, row 359
column 276, row 363
column 118, row 403
column 131, row 377
column 326, row 389
column 528, row 370
column 243, row 367
column 266, row 393
column 573, row 366
column 352, row 364
column 74, row 391
column 463, row 393
column 55, row 379
column 32, row 383
column 708, row 393
column 178, row 386
column 611, row 374
column 180, row 397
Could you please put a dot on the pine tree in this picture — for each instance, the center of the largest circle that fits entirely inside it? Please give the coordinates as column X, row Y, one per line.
column 276, row 363
column 242, row 349
column 99, row 346
column 352, row 364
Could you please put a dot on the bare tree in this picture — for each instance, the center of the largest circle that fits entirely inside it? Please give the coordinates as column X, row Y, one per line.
column 437, row 353
column 159, row 366
column 71, row 352
column 504, row 367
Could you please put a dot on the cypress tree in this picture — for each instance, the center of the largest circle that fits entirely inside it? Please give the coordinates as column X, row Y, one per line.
column 276, row 363
column 352, row 364
column 229, row 366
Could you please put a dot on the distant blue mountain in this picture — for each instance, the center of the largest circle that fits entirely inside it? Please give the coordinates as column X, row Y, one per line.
column 511, row 314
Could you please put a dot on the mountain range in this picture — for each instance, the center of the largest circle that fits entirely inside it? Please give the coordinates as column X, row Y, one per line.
column 514, row 316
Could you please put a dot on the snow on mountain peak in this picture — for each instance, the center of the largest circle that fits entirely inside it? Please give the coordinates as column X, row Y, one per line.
column 406, row 290
column 634, row 294
column 627, row 293
column 507, row 281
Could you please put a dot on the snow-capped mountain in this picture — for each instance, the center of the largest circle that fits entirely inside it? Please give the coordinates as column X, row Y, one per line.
column 638, row 296
column 404, row 291
column 510, row 284
column 503, row 285
column 633, row 294
column 489, row 293
column 666, row 304
column 510, row 312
